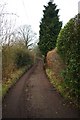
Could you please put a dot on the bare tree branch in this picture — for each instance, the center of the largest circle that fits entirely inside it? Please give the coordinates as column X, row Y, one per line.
column 26, row 34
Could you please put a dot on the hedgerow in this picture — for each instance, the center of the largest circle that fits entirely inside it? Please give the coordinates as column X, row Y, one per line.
column 68, row 46
column 16, row 60
column 15, row 57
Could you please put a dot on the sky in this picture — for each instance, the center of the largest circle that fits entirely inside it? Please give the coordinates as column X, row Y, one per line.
column 30, row 12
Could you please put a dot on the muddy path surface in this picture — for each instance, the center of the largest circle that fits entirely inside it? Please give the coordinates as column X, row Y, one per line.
column 34, row 97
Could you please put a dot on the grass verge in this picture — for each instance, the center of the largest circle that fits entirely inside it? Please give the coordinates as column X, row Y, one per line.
column 54, row 81
column 60, row 87
column 13, row 79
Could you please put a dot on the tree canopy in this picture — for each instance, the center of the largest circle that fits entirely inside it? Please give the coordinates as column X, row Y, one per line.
column 49, row 28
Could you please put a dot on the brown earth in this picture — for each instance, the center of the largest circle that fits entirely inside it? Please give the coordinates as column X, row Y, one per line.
column 34, row 97
column 55, row 62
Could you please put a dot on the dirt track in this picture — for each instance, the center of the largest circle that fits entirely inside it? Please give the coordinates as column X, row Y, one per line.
column 34, row 97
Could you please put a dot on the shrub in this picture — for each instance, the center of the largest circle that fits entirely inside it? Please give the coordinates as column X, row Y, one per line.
column 16, row 60
column 8, row 65
column 23, row 57
column 65, row 41
column 68, row 45
column 13, row 58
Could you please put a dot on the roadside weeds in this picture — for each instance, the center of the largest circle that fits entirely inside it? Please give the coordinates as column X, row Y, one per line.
column 13, row 80
column 60, row 88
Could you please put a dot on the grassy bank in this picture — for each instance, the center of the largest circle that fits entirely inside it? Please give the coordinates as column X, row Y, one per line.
column 16, row 60
column 13, row 79
column 61, row 88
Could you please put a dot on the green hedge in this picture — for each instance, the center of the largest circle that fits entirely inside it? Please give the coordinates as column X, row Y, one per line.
column 68, row 45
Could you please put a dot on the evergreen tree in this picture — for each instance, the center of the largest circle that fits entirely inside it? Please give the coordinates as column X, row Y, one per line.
column 49, row 28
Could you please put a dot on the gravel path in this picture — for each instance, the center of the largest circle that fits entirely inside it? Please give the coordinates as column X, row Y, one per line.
column 34, row 97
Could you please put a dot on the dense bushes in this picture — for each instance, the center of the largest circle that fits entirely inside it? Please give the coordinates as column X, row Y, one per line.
column 8, row 65
column 23, row 57
column 68, row 45
column 16, row 60
column 65, row 41
column 13, row 58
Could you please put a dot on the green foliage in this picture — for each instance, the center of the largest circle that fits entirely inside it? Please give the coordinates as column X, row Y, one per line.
column 65, row 40
column 13, row 58
column 8, row 65
column 16, row 59
column 54, row 80
column 68, row 45
column 61, row 87
column 49, row 28
column 22, row 57
column 12, row 80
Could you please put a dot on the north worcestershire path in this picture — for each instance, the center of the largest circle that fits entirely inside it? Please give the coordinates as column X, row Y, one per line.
column 34, row 97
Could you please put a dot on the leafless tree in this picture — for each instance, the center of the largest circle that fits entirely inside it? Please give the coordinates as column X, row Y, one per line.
column 7, row 33
column 1, row 20
column 25, row 34
column 7, row 23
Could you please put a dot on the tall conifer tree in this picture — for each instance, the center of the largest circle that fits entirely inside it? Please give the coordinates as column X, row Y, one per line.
column 49, row 28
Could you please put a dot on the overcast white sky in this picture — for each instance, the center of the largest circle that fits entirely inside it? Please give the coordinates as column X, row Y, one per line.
column 31, row 11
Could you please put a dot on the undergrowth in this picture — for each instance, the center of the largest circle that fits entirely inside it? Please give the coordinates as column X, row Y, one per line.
column 60, row 86
column 16, row 60
column 12, row 80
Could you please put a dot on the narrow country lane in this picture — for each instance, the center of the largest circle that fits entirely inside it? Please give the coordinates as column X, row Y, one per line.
column 34, row 97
